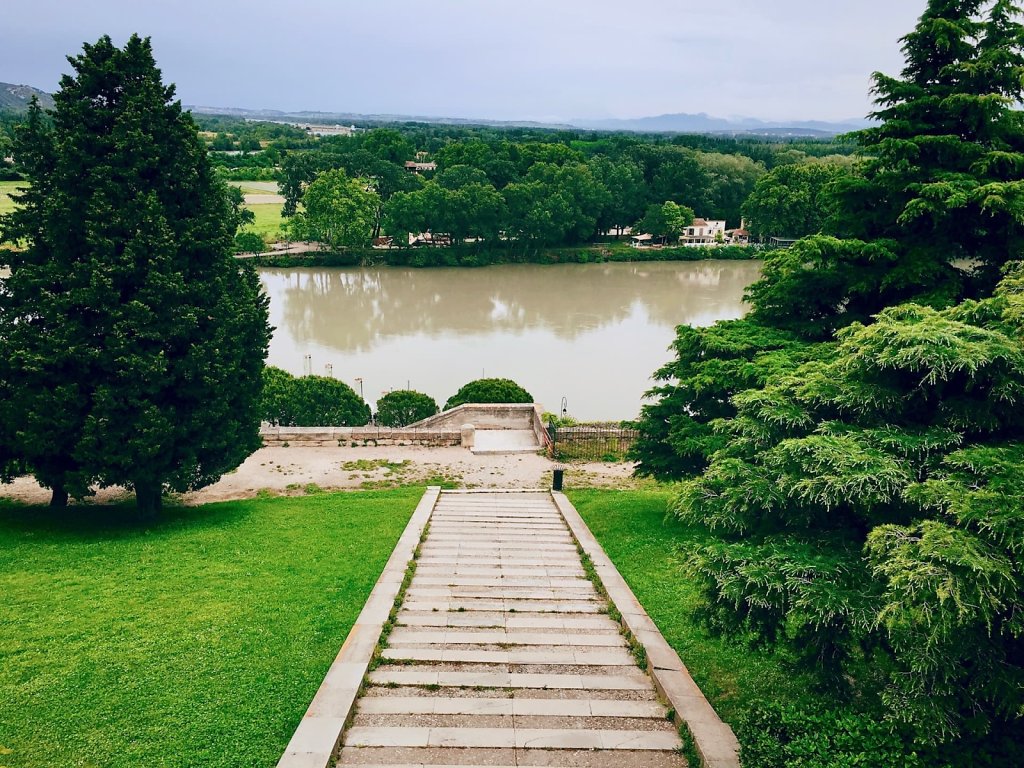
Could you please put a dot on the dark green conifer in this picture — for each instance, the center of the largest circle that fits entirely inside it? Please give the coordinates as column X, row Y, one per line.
column 132, row 342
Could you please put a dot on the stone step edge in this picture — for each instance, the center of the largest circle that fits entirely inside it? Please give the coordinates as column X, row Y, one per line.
column 318, row 735
column 512, row 738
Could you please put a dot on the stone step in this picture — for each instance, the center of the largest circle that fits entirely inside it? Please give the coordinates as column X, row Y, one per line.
column 505, row 605
column 524, row 525
column 519, row 738
column 426, row 676
column 599, row 639
column 561, row 561
column 498, row 593
column 519, row 620
column 499, row 539
column 518, row 707
column 482, row 547
column 428, row 757
column 580, row 657
column 497, row 571
column 456, row 580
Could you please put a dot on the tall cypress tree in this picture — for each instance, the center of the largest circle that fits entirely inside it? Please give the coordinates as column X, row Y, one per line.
column 131, row 341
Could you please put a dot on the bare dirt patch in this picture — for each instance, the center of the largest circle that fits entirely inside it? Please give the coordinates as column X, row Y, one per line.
column 299, row 470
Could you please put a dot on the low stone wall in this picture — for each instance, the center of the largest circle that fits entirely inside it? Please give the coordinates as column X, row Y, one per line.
column 485, row 416
column 332, row 437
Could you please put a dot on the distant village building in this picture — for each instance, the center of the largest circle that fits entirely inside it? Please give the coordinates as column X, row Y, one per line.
column 739, row 236
column 327, row 130
column 429, row 239
column 704, row 232
column 413, row 166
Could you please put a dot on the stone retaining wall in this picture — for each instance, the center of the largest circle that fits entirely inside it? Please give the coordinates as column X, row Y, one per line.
column 332, row 437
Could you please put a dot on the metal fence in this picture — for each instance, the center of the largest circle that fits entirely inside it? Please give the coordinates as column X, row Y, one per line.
column 591, row 442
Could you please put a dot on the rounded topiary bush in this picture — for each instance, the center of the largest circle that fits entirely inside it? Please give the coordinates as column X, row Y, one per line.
column 275, row 400
column 310, row 401
column 404, row 406
column 317, row 401
column 489, row 391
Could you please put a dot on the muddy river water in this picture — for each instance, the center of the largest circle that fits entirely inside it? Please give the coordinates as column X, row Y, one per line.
column 592, row 334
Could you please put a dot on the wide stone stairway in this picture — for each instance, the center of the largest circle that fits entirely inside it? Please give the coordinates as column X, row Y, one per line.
column 503, row 654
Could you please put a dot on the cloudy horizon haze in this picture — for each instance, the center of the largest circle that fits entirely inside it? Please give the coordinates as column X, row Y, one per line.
column 544, row 60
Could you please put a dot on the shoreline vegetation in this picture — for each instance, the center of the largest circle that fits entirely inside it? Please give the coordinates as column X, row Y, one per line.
column 465, row 257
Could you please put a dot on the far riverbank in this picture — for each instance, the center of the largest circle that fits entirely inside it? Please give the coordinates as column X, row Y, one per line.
column 595, row 253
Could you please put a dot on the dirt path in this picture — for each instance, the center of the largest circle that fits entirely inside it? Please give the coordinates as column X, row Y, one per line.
column 292, row 470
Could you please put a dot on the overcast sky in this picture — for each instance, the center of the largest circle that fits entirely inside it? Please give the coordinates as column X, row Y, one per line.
column 502, row 59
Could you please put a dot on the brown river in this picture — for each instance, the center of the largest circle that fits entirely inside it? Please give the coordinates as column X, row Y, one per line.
column 592, row 334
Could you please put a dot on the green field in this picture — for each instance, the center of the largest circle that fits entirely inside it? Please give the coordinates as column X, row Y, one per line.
column 268, row 220
column 631, row 527
column 199, row 640
column 6, row 187
column 267, row 224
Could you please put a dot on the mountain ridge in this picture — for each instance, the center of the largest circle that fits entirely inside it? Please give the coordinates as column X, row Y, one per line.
column 16, row 98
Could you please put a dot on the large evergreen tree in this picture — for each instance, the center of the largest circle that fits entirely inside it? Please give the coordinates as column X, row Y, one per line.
column 941, row 179
column 855, row 445
column 131, row 343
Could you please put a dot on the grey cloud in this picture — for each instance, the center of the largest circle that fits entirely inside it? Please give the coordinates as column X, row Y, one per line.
column 797, row 59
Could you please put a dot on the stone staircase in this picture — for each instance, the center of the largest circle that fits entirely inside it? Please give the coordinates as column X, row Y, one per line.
column 503, row 654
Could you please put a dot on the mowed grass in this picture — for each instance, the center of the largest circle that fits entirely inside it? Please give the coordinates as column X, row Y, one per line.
column 268, row 220
column 256, row 187
column 6, row 188
column 268, row 215
column 195, row 641
column 631, row 527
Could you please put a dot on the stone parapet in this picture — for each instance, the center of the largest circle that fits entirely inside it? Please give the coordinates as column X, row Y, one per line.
column 332, row 437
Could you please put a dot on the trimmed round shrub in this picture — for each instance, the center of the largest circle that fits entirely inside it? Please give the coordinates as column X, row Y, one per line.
column 317, row 401
column 275, row 400
column 310, row 401
column 489, row 391
column 404, row 406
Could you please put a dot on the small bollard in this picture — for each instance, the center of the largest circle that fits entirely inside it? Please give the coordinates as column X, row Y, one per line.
column 556, row 478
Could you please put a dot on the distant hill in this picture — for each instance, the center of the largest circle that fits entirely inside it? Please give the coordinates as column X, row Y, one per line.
column 344, row 118
column 703, row 123
column 675, row 123
column 16, row 98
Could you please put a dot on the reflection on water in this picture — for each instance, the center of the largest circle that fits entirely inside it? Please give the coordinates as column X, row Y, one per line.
column 592, row 333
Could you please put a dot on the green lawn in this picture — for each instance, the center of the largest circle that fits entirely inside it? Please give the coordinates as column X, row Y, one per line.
column 6, row 187
column 268, row 220
column 646, row 549
column 197, row 641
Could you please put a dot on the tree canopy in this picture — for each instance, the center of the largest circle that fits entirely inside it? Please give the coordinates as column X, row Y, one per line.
column 131, row 342
column 853, row 447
